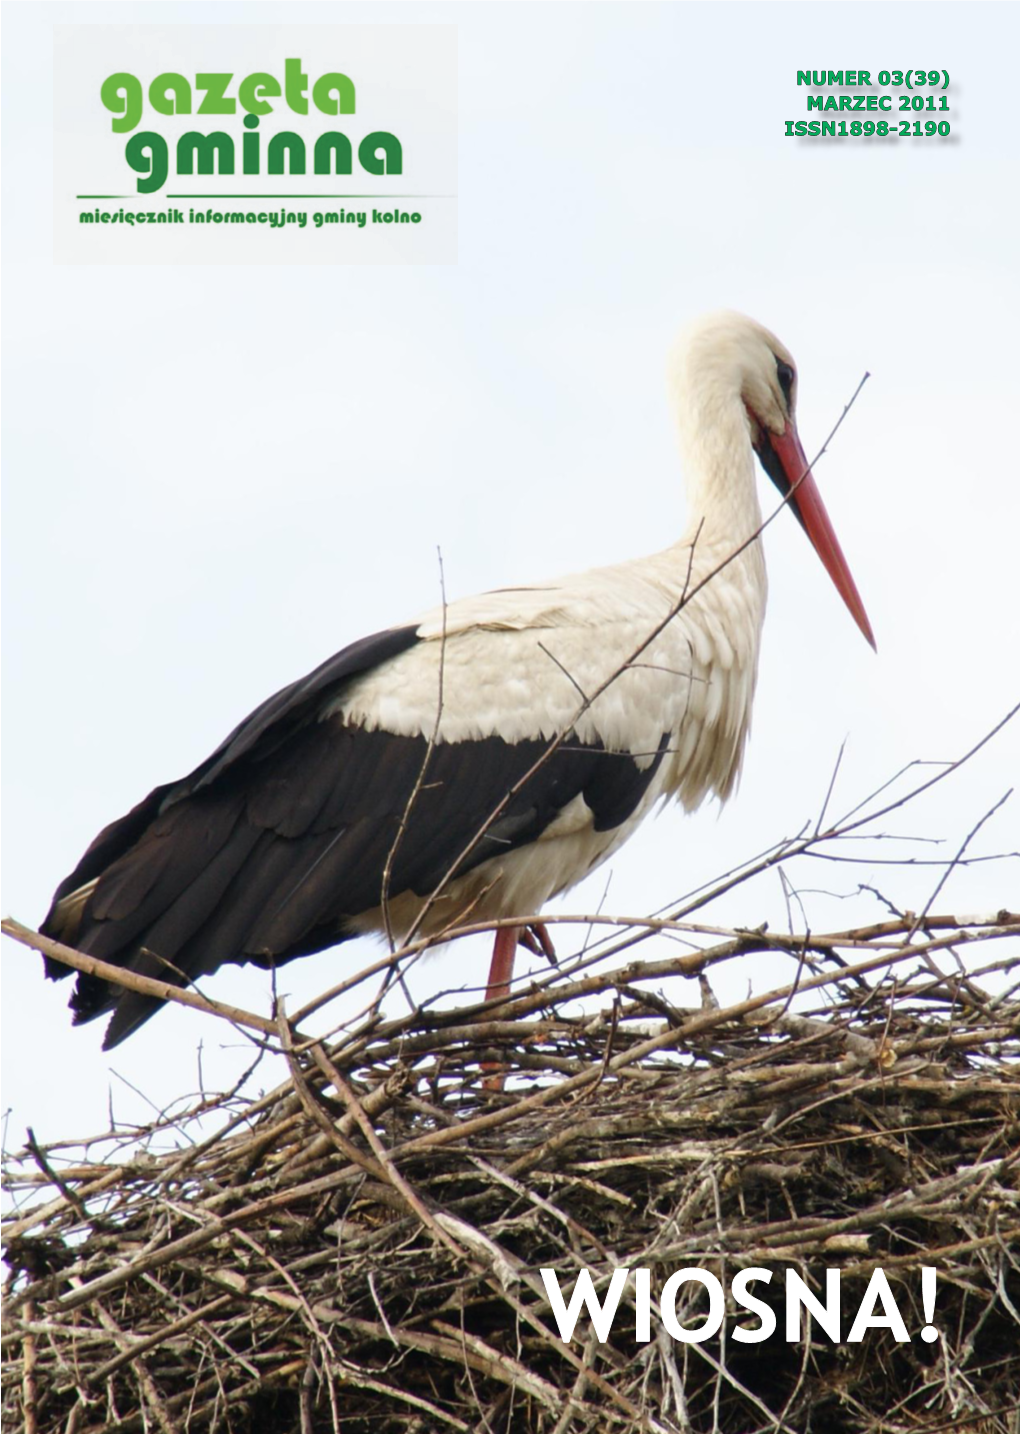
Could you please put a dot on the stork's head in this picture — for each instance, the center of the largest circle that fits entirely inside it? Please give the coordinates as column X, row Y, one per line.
column 727, row 371
column 726, row 356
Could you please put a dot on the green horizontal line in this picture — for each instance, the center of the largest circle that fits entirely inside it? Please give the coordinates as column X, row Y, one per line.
column 141, row 198
column 309, row 196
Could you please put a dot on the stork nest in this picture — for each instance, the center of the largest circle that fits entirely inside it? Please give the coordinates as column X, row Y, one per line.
column 360, row 1250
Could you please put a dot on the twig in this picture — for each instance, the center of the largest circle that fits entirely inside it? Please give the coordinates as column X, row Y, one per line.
column 145, row 985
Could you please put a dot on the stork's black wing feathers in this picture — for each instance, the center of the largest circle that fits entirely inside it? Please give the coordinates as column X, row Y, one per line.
column 273, row 846
column 270, row 723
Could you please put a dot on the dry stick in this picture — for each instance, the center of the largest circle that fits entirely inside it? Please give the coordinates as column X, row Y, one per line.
column 375, row 1103
column 114, row 1177
column 831, row 786
column 195, row 1414
column 462, row 928
column 524, row 1193
column 215, row 1336
column 382, row 1167
column 305, row 1397
column 933, row 1197
column 919, row 921
column 169, row 1331
column 480, row 1356
column 315, row 1111
column 195, row 1240
column 509, row 1008
column 436, row 1228
column 354, row 1375
column 439, row 1233
column 387, row 1170
column 645, row 927
column 150, row 1394
column 577, row 1392
column 110, row 1179
column 308, row 1315
column 471, row 1342
column 954, row 1422
column 269, row 1137
column 146, row 985
column 933, row 1255
column 384, row 963
column 53, row 1176
column 881, row 1080
column 501, row 1367
column 29, row 1392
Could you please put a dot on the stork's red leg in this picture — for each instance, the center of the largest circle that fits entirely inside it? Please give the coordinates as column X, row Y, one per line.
column 500, row 975
column 502, row 968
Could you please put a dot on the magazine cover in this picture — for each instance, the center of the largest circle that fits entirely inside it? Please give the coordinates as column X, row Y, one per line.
column 511, row 864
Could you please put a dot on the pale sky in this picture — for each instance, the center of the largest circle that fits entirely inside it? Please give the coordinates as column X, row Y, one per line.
column 217, row 476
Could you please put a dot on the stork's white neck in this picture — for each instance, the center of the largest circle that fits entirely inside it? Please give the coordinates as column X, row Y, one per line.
column 719, row 464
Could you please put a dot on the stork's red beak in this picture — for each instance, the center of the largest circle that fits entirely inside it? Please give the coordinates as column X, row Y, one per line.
column 806, row 502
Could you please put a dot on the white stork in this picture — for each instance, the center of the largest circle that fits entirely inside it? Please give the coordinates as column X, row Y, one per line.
column 384, row 791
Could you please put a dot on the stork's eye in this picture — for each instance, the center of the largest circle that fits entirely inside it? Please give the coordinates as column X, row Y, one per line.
column 786, row 377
